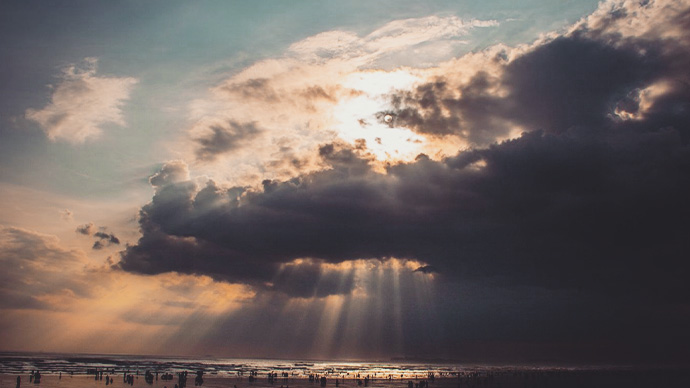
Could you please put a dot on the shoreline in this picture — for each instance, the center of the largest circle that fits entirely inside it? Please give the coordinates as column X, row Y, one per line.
column 667, row 378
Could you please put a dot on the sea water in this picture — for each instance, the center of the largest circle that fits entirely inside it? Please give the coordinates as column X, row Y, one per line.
column 78, row 371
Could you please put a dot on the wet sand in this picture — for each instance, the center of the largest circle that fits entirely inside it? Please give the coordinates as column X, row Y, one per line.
column 661, row 378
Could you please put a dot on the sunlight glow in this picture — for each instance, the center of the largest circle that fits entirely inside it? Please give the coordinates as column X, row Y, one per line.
column 643, row 100
column 356, row 115
column 370, row 316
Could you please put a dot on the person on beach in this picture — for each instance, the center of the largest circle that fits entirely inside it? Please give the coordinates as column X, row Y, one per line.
column 19, row 381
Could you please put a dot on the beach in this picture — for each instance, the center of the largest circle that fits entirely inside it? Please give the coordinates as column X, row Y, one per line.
column 667, row 378
column 112, row 371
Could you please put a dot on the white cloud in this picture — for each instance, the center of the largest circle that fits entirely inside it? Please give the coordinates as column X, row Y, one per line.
column 393, row 37
column 297, row 101
column 656, row 19
column 82, row 103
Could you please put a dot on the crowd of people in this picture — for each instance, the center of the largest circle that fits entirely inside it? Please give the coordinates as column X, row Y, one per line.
column 272, row 377
column 464, row 379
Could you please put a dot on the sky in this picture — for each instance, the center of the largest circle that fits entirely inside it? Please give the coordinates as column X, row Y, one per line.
column 499, row 181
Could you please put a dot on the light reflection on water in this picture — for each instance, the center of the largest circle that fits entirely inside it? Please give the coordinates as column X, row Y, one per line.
column 230, row 373
column 19, row 363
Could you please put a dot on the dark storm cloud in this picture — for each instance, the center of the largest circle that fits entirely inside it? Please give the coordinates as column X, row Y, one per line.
column 571, row 81
column 426, row 269
column 434, row 108
column 422, row 110
column 585, row 199
column 590, row 209
column 226, row 138
column 578, row 79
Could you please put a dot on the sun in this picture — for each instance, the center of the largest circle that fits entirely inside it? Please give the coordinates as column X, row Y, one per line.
column 358, row 115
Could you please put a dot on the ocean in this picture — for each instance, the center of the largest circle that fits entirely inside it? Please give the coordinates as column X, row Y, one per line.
column 92, row 371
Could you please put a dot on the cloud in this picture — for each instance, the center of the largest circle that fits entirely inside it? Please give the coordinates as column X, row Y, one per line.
column 270, row 116
column 82, row 103
column 622, row 22
column 581, row 200
column 223, row 139
column 394, row 36
column 108, row 237
column 543, row 211
column 172, row 171
column 426, row 269
column 87, row 229
column 66, row 214
column 55, row 298
column 103, row 239
column 36, row 271
column 598, row 70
